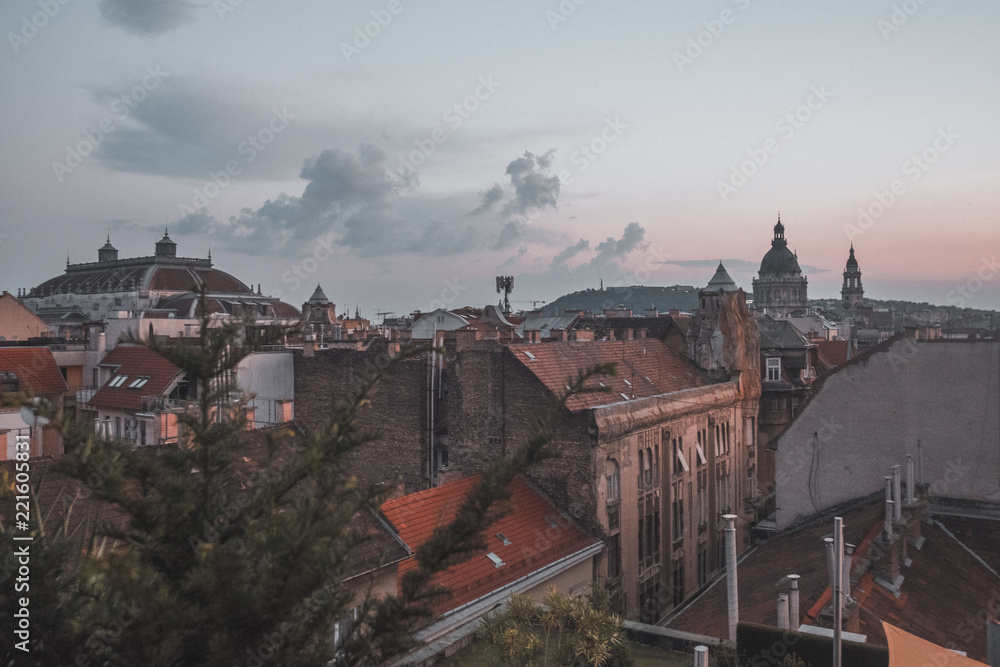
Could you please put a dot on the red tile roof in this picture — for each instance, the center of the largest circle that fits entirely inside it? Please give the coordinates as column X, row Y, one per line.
column 533, row 541
column 35, row 367
column 646, row 367
column 943, row 588
column 835, row 351
column 134, row 361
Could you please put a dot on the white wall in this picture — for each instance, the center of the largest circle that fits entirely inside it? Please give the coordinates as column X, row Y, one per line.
column 868, row 417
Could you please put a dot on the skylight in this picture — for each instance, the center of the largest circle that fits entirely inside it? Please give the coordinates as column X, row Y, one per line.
column 497, row 561
column 625, row 396
column 117, row 380
column 138, row 382
column 529, row 355
column 503, row 538
column 626, row 382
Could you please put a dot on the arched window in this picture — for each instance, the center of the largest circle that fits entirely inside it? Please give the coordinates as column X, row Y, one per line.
column 613, row 473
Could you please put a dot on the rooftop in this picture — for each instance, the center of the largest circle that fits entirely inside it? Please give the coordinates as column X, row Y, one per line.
column 35, row 368
column 137, row 372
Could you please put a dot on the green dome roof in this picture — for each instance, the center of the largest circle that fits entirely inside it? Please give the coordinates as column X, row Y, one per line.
column 779, row 259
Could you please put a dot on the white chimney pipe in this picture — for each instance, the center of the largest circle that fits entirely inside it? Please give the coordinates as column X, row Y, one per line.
column 838, row 589
column 783, row 611
column 734, row 604
column 700, row 656
column 888, row 506
column 910, row 481
column 897, row 494
column 920, row 462
column 829, row 558
column 793, row 603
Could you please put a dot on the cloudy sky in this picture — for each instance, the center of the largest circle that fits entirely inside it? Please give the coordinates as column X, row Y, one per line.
column 402, row 153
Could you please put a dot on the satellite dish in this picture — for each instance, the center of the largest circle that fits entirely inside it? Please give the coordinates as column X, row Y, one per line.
column 29, row 417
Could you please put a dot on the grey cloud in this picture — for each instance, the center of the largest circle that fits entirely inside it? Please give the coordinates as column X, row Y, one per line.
column 147, row 17
column 534, row 186
column 488, row 199
column 611, row 248
column 559, row 261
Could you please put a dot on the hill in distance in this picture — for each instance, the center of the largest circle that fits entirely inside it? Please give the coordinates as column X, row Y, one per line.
column 635, row 297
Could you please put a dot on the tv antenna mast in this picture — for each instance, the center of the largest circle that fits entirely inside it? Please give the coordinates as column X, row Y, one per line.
column 505, row 285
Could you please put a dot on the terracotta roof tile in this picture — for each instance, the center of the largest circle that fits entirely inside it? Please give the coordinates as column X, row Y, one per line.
column 35, row 367
column 533, row 541
column 134, row 361
column 835, row 351
column 646, row 367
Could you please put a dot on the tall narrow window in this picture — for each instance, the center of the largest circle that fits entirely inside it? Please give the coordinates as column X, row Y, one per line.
column 613, row 473
column 773, row 369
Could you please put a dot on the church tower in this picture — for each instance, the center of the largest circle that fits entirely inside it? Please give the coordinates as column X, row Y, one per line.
column 780, row 288
column 852, row 293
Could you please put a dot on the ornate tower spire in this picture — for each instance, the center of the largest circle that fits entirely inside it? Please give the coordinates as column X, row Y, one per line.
column 852, row 293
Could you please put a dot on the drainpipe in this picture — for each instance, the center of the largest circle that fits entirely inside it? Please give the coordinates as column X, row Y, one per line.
column 734, row 605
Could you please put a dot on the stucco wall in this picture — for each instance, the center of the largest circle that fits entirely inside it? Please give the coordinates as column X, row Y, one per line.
column 870, row 415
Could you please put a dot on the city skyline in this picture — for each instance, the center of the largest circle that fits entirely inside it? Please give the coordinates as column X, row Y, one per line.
column 561, row 143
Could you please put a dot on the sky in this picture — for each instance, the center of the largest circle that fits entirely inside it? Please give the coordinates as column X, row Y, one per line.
column 403, row 154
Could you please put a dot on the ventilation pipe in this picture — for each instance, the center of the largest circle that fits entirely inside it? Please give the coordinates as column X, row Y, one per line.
column 910, row 482
column 828, row 542
column 700, row 656
column 734, row 604
column 793, row 603
column 838, row 593
column 888, row 507
column 897, row 494
column 846, row 570
column 920, row 462
column 783, row 611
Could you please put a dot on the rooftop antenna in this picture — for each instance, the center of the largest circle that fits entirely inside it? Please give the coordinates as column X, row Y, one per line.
column 505, row 285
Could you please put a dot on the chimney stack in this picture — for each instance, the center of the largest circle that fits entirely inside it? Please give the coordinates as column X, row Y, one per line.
column 897, row 494
column 793, row 603
column 910, row 482
column 783, row 611
column 732, row 589
column 888, row 507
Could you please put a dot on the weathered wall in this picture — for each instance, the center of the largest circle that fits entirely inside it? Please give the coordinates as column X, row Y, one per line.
column 870, row 415
column 396, row 411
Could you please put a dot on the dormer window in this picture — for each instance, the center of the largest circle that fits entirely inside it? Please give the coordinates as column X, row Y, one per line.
column 774, row 369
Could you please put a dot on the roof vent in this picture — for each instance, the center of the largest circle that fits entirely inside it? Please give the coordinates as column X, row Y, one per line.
column 552, row 522
column 497, row 561
column 529, row 355
column 503, row 538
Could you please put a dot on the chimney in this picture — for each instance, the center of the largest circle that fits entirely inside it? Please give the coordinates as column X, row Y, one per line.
column 731, row 587
column 641, row 333
column 309, row 347
column 652, row 312
column 793, row 603
column 626, row 334
column 674, row 312
column 532, row 336
column 581, row 335
column 897, row 494
column 910, row 482
column 888, row 507
column 783, row 611
column 557, row 334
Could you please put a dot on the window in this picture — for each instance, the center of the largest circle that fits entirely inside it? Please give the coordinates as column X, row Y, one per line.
column 699, row 447
column 138, row 383
column 142, row 432
column 678, row 572
column 702, row 564
column 648, row 472
column 117, row 380
column 723, row 482
column 773, row 369
column 614, row 556
column 677, row 513
column 702, row 501
column 614, row 519
column 342, row 628
column 641, row 467
column 680, row 462
column 649, row 600
column 613, row 476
